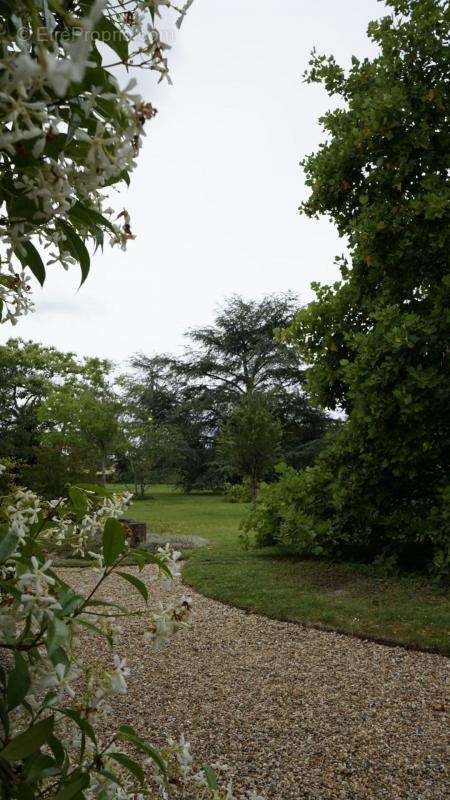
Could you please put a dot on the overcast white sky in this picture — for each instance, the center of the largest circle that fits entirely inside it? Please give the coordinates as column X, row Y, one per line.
column 215, row 196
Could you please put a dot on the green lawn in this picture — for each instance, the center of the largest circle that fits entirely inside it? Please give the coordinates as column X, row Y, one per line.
column 344, row 597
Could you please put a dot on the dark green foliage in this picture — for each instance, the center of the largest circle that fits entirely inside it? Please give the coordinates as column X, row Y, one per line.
column 79, row 426
column 181, row 419
column 240, row 355
column 233, row 360
column 28, row 372
column 58, row 416
column 250, row 440
column 303, row 426
column 151, row 445
column 291, row 512
column 377, row 342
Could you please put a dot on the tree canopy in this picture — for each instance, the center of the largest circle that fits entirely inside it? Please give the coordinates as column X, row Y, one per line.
column 80, row 425
column 238, row 358
column 376, row 342
column 240, row 354
column 28, row 371
column 250, row 438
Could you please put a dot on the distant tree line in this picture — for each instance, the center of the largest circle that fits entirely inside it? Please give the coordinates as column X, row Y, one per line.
column 227, row 410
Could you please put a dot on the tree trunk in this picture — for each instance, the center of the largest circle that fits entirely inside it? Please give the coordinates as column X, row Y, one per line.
column 135, row 479
column 254, row 487
column 103, row 472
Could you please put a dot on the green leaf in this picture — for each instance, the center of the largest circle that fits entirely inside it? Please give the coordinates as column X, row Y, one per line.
column 57, row 749
column 151, row 558
column 128, row 733
column 79, row 501
column 32, row 259
column 97, row 76
column 113, row 540
column 8, row 542
column 28, row 742
column 19, row 207
column 99, row 237
column 82, row 722
column 113, row 37
column 4, row 718
column 76, row 783
column 95, row 488
column 107, row 604
column 76, row 247
column 8, row 280
column 18, row 682
column 89, row 216
column 111, row 777
column 93, row 628
column 69, row 600
column 96, row 56
column 211, row 777
column 9, row 589
column 55, row 145
column 123, row 176
column 57, row 635
column 129, row 764
column 40, row 766
column 153, row 8
column 138, row 584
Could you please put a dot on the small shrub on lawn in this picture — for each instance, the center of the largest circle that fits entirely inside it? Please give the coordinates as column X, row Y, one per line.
column 238, row 492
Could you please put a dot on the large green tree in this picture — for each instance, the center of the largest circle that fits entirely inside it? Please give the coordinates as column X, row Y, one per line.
column 158, row 393
column 239, row 354
column 151, row 445
column 250, row 439
column 80, row 428
column 28, row 373
column 236, row 358
column 377, row 341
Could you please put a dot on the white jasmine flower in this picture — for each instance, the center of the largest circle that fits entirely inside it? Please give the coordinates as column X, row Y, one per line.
column 25, row 67
column 118, row 682
column 184, row 756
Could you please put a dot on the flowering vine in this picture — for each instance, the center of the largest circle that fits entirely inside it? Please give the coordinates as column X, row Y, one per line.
column 70, row 131
column 51, row 703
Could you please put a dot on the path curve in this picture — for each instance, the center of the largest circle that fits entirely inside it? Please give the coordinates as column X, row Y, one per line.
column 297, row 713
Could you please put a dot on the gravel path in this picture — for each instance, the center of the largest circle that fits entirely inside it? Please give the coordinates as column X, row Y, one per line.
column 298, row 714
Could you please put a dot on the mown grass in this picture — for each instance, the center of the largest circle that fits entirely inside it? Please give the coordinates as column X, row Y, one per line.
column 350, row 598
column 168, row 510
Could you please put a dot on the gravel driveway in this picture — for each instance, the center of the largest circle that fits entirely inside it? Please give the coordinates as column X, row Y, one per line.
column 298, row 714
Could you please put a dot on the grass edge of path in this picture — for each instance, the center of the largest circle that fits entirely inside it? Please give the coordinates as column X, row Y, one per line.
column 317, row 626
column 403, row 611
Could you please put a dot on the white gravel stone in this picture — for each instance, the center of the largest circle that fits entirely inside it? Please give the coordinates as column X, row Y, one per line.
column 297, row 713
